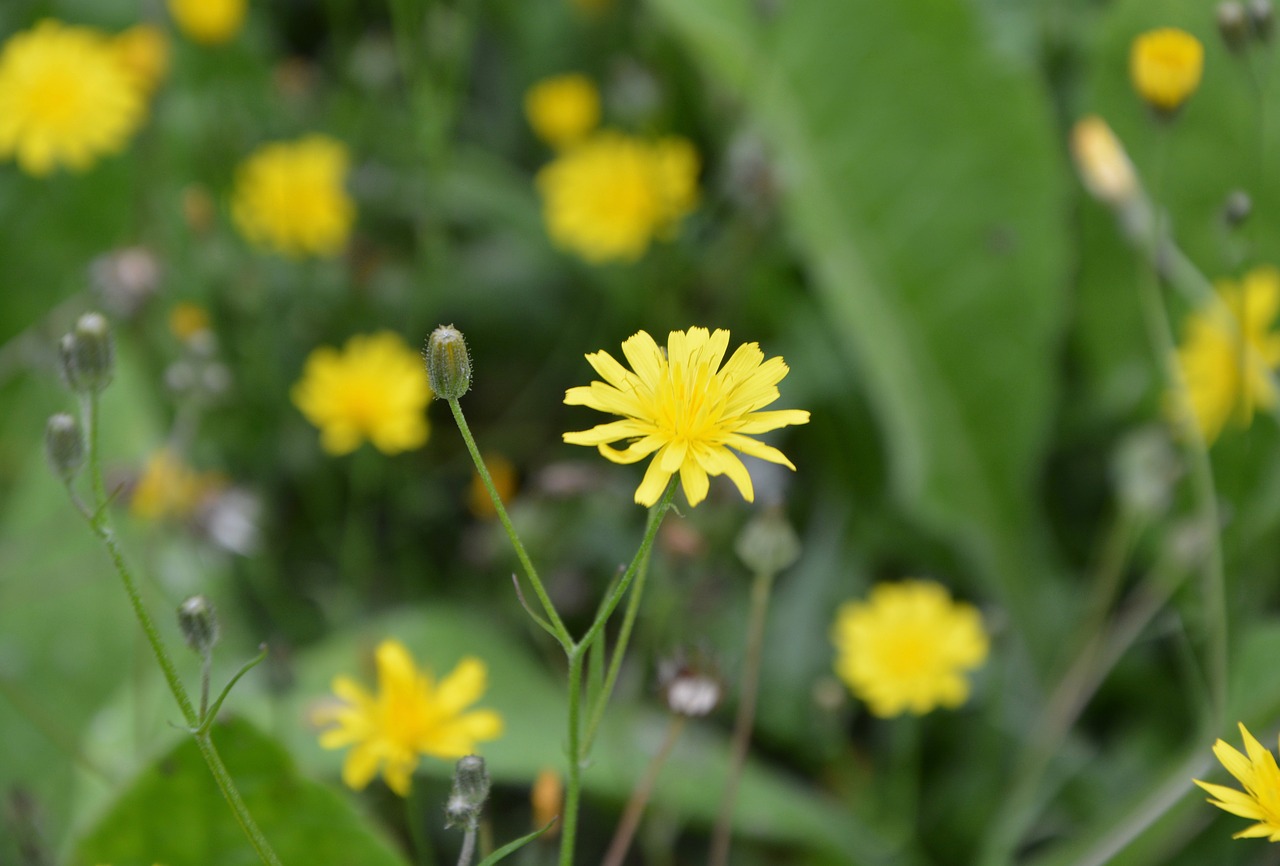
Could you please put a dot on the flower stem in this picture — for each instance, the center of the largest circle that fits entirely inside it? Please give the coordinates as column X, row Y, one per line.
column 640, row 796
column 468, row 846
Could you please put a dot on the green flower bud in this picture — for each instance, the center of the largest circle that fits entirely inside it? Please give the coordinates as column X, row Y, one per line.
column 768, row 544
column 64, row 445
column 198, row 621
column 470, row 790
column 88, row 354
column 448, row 363
column 1237, row 208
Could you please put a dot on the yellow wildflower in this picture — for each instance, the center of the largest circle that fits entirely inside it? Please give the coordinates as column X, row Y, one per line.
column 1102, row 162
column 1260, row 799
column 908, row 647
column 1230, row 351
column 607, row 198
column 144, row 51
column 289, row 197
column 683, row 405
column 547, row 800
column 562, row 109
column 375, row 389
column 502, row 472
column 1165, row 66
column 209, row 22
column 187, row 319
column 65, row 98
column 411, row 715
column 170, row 489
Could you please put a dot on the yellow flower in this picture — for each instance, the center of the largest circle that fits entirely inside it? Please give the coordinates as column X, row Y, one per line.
column 1165, row 66
column 209, row 22
column 65, row 98
column 562, row 109
column 607, row 198
column 547, row 799
column 683, row 405
column 502, row 472
column 1103, row 165
column 144, row 51
column 289, row 197
column 1260, row 799
column 169, row 488
column 411, row 715
column 908, row 647
column 1230, row 350
column 187, row 319
column 375, row 389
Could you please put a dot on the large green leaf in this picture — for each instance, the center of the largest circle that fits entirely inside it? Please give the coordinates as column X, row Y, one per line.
column 925, row 189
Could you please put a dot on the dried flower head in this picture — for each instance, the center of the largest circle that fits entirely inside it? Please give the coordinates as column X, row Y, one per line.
column 1165, row 66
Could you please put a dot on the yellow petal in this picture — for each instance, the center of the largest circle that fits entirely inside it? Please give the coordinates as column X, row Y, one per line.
column 463, row 687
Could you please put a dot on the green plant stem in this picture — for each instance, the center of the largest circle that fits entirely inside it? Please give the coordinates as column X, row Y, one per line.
column 640, row 796
column 232, row 795
column 468, row 846
column 761, row 589
column 562, row 633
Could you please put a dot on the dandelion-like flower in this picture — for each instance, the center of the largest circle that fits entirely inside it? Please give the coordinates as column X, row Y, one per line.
column 1260, row 799
column 144, row 51
column 65, row 98
column 908, row 648
column 169, row 488
column 374, row 389
column 1165, row 66
column 686, row 410
column 562, row 109
column 608, row 197
column 411, row 715
column 1230, row 351
column 209, row 22
column 289, row 197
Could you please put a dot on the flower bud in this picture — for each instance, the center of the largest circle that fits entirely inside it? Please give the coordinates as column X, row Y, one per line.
column 64, row 445
column 448, row 363
column 198, row 622
column 768, row 544
column 470, row 790
column 1262, row 17
column 1233, row 24
column 1102, row 162
column 88, row 354
column 1237, row 208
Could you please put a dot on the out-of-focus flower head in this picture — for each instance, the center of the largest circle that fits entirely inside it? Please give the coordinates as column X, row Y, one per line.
column 125, row 279
column 169, row 489
column 1230, row 352
column 66, row 98
column 1256, row 770
column 290, row 197
column 187, row 320
column 1165, row 66
column 562, row 109
column 607, row 198
column 1104, row 166
column 209, row 22
column 410, row 715
column 144, row 51
column 374, row 389
column 681, row 404
column 908, row 648
column 547, row 800
column 502, row 472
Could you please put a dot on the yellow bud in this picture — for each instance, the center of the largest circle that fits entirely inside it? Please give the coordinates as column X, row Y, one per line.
column 1165, row 66
column 1103, row 165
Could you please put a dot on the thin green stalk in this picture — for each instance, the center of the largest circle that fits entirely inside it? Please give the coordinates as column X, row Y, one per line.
column 761, row 589
column 562, row 633
column 232, row 794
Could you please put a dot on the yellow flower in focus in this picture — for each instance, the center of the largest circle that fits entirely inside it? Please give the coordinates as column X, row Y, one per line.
column 1260, row 799
column 289, row 197
column 65, row 98
column 209, row 22
column 170, row 489
column 681, row 404
column 375, row 388
column 1165, row 66
column 562, row 109
column 1102, row 162
column 411, row 715
column 908, row 648
column 608, row 197
column 1230, row 351
column 187, row 319
column 143, row 49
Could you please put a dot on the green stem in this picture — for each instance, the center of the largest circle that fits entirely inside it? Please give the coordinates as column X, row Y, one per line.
column 640, row 796
column 232, row 794
column 562, row 633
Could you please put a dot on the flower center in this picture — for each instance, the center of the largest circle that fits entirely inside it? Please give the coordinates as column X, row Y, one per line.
column 55, row 98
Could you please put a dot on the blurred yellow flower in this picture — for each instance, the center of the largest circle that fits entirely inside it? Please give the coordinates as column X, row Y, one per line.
column 1165, row 66
column 562, row 109
column 170, row 489
column 1230, row 352
column 289, row 197
column 1260, row 799
column 1102, row 162
column 375, row 388
column 683, row 405
column 608, row 197
column 411, row 715
column 187, row 319
column 143, row 49
column 503, row 474
column 209, row 22
column 547, row 799
column 908, row 648
column 65, row 98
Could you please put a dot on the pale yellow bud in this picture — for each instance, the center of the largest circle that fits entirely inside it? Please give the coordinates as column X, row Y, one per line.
column 1104, row 167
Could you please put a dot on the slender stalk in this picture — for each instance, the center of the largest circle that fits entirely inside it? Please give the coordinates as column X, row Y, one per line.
column 640, row 796
column 468, row 847
column 761, row 588
column 206, row 665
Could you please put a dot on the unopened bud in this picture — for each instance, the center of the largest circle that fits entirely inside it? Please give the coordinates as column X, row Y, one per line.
column 88, row 354
column 1262, row 17
column 1233, row 24
column 470, row 790
column 448, row 363
column 1104, row 167
column 768, row 544
column 64, row 445
column 198, row 622
column 1237, row 208
column 690, row 683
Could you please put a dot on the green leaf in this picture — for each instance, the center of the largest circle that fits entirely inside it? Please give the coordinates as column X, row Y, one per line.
column 923, row 185
column 174, row 814
column 512, row 847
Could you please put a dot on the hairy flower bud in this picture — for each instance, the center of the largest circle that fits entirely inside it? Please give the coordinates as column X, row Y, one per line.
column 198, row 621
column 470, row 790
column 88, row 354
column 64, row 445
column 448, row 363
